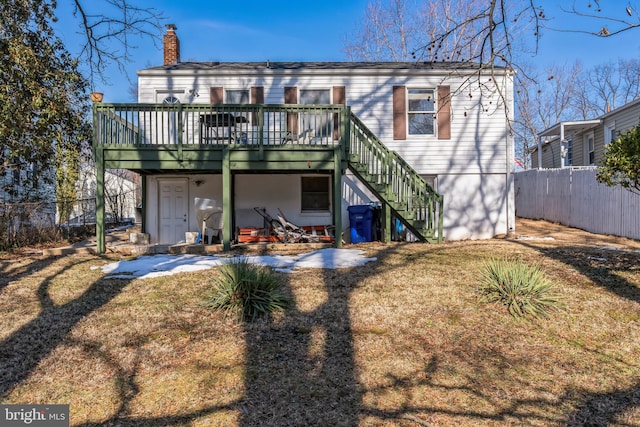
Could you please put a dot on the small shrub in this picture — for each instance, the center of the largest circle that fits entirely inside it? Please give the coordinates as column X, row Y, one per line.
column 247, row 291
column 524, row 289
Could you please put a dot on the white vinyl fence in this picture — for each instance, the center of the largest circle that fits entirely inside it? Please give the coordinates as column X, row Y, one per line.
column 573, row 197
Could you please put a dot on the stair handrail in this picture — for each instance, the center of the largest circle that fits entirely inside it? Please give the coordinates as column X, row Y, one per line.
column 387, row 167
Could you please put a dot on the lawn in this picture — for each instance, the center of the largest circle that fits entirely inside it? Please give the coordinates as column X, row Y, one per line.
column 401, row 341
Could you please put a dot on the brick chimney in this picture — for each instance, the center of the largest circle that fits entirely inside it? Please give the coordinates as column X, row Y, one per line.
column 171, row 46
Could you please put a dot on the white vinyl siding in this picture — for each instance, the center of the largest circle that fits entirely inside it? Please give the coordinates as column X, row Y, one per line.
column 479, row 139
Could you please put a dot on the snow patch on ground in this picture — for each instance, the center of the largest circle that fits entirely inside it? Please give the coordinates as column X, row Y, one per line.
column 149, row 266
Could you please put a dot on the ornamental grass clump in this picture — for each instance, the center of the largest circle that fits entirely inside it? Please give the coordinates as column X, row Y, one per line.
column 247, row 291
column 523, row 289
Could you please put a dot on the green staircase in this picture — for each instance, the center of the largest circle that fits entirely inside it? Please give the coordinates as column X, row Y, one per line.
column 395, row 183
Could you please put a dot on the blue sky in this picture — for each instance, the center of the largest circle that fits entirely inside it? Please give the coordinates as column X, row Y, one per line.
column 287, row 30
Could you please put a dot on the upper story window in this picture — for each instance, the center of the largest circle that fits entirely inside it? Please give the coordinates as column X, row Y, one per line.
column 315, row 96
column 237, row 96
column 421, row 111
column 171, row 100
column 312, row 125
column 610, row 134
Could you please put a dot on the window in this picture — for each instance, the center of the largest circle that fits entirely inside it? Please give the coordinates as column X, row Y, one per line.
column 315, row 125
column 171, row 100
column 15, row 176
column 589, row 149
column 315, row 193
column 315, row 96
column 238, row 96
column 421, row 112
column 610, row 134
column 432, row 181
column 568, row 161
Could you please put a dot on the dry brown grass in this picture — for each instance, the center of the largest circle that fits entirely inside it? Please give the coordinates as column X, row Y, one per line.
column 401, row 341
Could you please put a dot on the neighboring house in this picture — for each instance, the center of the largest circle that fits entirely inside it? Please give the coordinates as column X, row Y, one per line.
column 17, row 184
column 122, row 196
column 582, row 143
column 429, row 141
column 27, row 196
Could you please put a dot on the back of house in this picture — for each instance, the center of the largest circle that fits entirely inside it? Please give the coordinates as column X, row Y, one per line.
column 449, row 122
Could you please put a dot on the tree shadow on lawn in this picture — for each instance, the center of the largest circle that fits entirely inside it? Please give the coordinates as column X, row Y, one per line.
column 13, row 268
column 600, row 266
column 22, row 351
column 302, row 371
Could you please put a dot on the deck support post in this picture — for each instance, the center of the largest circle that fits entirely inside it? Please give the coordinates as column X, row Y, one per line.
column 100, row 214
column 337, row 196
column 386, row 222
column 98, row 155
column 227, row 205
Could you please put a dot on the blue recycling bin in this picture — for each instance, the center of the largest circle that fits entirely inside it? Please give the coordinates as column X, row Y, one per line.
column 360, row 223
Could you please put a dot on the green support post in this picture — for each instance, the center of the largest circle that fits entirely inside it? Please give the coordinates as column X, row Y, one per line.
column 98, row 154
column 386, row 215
column 337, row 196
column 100, row 225
column 227, row 191
column 143, row 213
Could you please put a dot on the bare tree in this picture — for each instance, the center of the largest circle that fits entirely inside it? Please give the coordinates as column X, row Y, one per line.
column 542, row 102
column 497, row 27
column 108, row 28
column 396, row 30
column 608, row 86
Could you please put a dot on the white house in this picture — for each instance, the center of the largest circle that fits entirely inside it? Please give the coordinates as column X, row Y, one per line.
column 447, row 122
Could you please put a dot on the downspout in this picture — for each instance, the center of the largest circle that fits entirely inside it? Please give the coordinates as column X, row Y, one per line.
column 563, row 153
column 510, row 151
column 539, row 153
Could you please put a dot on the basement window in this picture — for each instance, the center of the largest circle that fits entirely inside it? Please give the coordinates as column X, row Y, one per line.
column 315, row 193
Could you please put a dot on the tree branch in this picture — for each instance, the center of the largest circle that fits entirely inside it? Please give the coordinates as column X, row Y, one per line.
column 107, row 37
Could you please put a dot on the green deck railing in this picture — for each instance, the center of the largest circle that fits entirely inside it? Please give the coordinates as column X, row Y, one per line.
column 264, row 124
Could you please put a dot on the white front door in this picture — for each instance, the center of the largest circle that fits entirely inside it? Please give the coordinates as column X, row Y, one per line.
column 173, row 210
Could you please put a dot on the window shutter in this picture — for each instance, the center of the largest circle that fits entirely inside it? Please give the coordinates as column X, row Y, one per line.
column 216, row 95
column 444, row 112
column 257, row 97
column 291, row 97
column 339, row 97
column 399, row 112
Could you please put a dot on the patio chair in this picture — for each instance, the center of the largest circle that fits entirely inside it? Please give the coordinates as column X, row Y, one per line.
column 209, row 217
